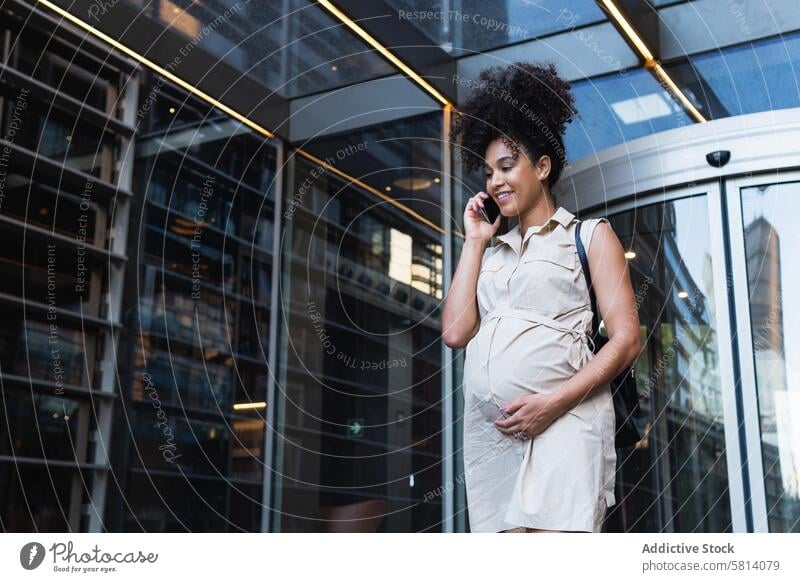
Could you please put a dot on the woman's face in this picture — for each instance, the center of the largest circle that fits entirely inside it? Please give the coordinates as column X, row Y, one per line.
column 515, row 184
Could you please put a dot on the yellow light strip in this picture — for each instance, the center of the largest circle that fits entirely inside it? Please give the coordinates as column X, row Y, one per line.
column 160, row 70
column 372, row 190
column 664, row 76
column 249, row 405
column 632, row 35
column 649, row 61
column 384, row 51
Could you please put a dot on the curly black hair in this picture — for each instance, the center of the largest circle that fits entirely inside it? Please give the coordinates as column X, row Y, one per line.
column 522, row 103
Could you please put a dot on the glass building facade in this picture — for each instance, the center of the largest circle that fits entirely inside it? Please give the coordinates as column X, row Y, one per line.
column 211, row 329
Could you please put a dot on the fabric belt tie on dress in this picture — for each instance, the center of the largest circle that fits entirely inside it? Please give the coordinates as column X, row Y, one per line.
column 581, row 349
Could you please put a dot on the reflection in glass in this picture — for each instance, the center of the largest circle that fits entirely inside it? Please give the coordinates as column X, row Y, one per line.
column 68, row 140
column 759, row 76
column 676, row 480
column 174, row 504
column 69, row 71
column 399, row 159
column 36, row 498
column 32, row 349
column 360, row 418
column 472, row 26
column 34, row 425
column 770, row 239
column 247, row 443
column 252, row 38
column 55, row 209
column 619, row 107
column 206, row 387
column 201, row 265
column 196, row 446
column 171, row 308
column 50, row 273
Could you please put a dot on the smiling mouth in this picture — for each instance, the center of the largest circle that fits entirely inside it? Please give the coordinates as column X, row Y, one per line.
column 503, row 196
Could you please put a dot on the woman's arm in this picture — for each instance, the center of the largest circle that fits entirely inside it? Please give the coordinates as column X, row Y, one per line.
column 460, row 319
column 617, row 305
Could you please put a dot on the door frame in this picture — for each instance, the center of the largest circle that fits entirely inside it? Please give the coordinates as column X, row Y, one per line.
column 734, row 449
column 746, row 353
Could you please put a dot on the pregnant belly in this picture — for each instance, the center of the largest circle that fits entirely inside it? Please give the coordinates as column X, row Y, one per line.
column 525, row 359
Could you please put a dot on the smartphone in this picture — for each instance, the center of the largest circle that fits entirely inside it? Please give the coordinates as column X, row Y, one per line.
column 490, row 209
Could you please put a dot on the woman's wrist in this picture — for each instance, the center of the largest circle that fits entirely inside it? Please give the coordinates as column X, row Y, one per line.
column 562, row 400
column 476, row 243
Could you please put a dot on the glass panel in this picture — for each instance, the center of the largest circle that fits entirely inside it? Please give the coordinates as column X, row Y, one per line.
column 771, row 238
column 676, row 480
column 245, row 508
column 172, row 308
column 35, row 498
column 695, row 26
column 55, row 274
column 73, row 73
column 203, row 289
column 251, row 381
column 206, row 387
column 248, row 443
column 35, row 425
column 401, row 159
column 619, row 107
column 62, row 137
column 470, row 26
column 31, row 347
column 175, row 504
column 759, row 76
column 58, row 211
column 166, row 439
column 294, row 47
column 360, row 431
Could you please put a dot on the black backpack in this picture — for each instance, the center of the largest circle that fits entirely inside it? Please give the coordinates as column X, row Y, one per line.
column 623, row 387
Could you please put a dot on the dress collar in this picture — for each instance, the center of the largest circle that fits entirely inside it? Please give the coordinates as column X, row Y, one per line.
column 562, row 216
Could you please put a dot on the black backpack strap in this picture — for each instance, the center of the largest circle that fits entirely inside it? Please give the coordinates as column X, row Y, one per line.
column 588, row 276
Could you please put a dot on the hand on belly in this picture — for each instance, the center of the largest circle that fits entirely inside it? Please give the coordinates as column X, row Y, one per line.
column 529, row 415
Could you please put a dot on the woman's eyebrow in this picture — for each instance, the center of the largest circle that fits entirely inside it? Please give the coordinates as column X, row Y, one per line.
column 500, row 160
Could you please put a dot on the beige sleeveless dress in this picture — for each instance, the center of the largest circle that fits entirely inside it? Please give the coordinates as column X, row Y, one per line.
column 535, row 315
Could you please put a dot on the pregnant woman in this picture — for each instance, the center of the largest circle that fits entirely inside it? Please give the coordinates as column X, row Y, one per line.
column 538, row 413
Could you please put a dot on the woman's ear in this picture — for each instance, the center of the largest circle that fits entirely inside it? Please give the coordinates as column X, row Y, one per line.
column 543, row 167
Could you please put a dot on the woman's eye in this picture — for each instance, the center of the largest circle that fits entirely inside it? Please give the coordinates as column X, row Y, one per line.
column 506, row 169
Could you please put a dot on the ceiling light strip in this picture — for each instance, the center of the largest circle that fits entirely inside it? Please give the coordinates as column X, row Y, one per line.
column 160, row 70
column 628, row 29
column 650, row 62
column 249, row 405
column 374, row 43
column 667, row 80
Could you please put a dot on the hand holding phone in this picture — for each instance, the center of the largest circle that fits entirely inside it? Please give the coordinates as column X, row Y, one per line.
column 490, row 210
column 481, row 217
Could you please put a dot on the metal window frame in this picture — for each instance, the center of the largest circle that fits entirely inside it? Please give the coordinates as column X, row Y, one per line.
column 270, row 414
column 448, row 384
